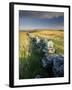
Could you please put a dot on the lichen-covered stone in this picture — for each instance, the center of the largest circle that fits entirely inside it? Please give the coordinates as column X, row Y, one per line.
column 54, row 65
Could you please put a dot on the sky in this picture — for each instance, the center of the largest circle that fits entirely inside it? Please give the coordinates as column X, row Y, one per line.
column 30, row 20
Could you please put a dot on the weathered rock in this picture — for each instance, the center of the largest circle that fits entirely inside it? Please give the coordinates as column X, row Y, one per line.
column 54, row 65
column 58, row 66
column 38, row 76
column 51, row 48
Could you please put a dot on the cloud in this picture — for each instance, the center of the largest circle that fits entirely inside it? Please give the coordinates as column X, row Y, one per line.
column 40, row 14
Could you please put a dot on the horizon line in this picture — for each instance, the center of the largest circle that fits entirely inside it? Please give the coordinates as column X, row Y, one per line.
column 38, row 29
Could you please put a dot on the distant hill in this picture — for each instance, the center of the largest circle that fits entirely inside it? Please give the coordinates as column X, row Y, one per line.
column 35, row 30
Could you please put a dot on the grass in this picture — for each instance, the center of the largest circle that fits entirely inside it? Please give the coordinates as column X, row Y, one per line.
column 30, row 64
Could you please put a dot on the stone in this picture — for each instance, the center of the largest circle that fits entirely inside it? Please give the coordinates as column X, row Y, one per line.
column 38, row 76
column 51, row 48
column 54, row 65
column 37, row 40
column 50, row 44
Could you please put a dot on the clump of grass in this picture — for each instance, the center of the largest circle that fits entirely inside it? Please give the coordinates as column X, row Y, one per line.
column 31, row 66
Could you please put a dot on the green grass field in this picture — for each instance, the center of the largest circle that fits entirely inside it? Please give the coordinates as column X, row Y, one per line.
column 30, row 64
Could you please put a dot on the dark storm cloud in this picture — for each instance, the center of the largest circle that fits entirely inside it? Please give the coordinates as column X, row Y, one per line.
column 40, row 20
column 40, row 14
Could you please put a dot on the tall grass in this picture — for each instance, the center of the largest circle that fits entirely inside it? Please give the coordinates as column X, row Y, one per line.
column 30, row 54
